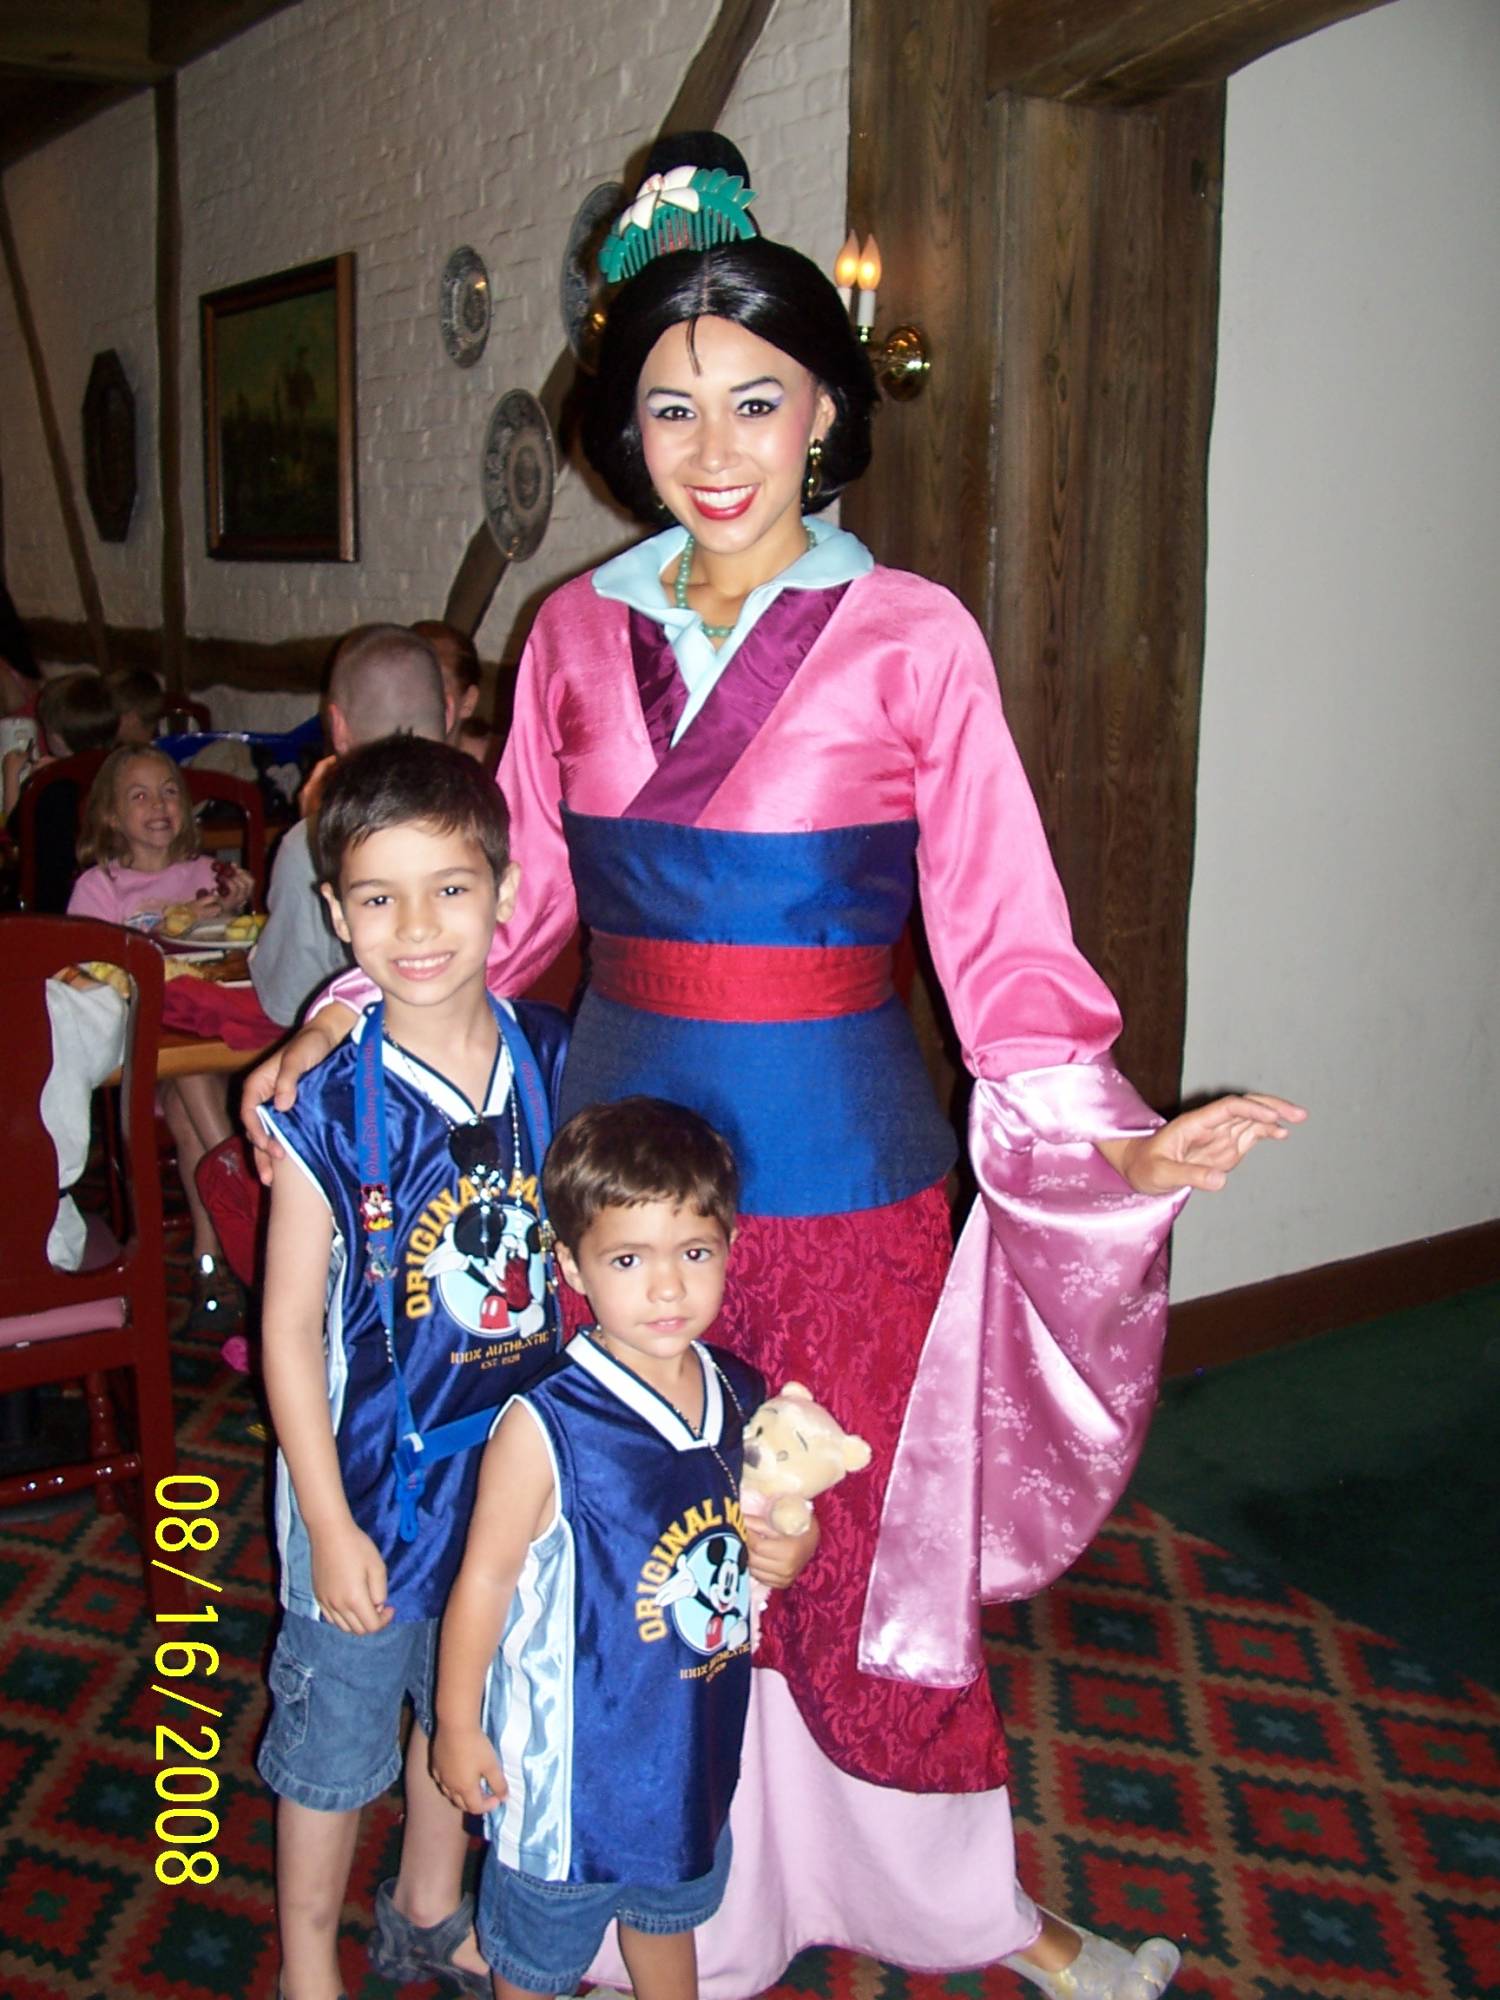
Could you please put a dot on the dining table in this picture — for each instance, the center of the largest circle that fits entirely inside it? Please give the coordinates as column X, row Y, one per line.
column 180, row 1052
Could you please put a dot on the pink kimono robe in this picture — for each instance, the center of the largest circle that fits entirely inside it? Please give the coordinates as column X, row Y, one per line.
column 743, row 889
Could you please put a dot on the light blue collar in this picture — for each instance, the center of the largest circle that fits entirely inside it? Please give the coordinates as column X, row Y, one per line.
column 634, row 579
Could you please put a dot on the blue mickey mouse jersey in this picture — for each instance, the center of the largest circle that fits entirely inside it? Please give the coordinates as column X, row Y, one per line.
column 472, row 1324
column 623, row 1673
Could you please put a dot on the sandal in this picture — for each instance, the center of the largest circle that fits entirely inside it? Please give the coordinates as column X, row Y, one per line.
column 401, row 1950
column 218, row 1301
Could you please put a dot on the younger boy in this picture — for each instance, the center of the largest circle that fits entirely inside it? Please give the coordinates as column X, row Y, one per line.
column 405, row 1296
column 595, row 1661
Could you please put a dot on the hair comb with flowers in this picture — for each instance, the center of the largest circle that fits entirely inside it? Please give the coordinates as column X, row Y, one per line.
column 686, row 208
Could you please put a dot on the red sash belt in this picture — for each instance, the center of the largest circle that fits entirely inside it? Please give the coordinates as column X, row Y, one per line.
column 739, row 982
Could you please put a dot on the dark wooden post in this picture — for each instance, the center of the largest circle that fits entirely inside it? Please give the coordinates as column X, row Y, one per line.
column 1108, row 262
column 78, row 548
column 1063, row 262
column 1043, row 177
column 169, row 387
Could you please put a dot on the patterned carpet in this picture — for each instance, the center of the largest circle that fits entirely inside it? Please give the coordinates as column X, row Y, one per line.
column 1314, row 1812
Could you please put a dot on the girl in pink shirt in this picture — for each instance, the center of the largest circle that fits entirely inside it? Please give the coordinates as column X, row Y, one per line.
column 142, row 838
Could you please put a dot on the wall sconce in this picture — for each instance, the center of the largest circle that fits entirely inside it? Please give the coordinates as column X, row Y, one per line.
column 900, row 361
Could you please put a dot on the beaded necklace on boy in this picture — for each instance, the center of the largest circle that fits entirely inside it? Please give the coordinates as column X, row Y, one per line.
column 474, row 1145
column 685, row 570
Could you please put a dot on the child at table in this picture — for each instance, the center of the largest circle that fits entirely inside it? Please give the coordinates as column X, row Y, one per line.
column 142, row 839
column 74, row 713
column 140, row 702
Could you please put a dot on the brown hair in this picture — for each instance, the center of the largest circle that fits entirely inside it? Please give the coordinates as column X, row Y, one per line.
column 135, row 691
column 101, row 838
column 453, row 648
column 407, row 781
column 635, row 1150
column 77, row 710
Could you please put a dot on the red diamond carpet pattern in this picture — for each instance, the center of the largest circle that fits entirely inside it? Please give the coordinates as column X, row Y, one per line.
column 1198, row 1750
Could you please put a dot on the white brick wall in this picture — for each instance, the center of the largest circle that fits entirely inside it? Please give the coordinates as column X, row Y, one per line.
column 397, row 129
column 84, row 217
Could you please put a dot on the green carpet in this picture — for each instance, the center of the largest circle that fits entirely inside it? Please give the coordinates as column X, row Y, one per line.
column 1362, row 1466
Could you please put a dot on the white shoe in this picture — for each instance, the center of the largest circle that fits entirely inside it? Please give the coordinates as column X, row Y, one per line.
column 1105, row 1971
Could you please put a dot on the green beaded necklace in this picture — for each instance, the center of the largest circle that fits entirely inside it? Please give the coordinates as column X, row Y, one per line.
column 685, row 570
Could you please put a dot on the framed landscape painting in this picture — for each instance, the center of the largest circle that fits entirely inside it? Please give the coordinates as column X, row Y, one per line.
column 278, row 416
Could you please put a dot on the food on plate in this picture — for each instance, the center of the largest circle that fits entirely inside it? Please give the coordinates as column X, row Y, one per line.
column 104, row 974
column 229, row 968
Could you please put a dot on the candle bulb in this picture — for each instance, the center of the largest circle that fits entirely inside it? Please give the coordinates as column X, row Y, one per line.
column 868, row 279
column 846, row 268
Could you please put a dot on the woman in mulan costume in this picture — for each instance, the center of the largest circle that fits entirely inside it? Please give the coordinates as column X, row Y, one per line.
column 739, row 750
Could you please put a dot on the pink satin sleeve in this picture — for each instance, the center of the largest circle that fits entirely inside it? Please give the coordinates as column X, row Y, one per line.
column 546, row 909
column 1021, row 994
column 1038, row 1377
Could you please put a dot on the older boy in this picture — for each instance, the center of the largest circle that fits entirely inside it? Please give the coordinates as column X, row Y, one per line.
column 406, row 1298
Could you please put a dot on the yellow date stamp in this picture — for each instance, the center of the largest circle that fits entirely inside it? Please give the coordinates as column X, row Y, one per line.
column 186, row 1783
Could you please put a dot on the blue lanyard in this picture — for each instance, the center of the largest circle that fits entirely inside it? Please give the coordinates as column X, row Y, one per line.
column 414, row 1452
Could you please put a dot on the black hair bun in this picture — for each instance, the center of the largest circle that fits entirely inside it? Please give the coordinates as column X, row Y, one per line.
column 695, row 149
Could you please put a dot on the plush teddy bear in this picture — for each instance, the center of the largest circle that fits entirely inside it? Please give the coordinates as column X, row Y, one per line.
column 793, row 1450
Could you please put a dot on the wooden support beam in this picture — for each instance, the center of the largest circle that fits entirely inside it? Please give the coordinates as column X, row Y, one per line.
column 85, row 41
column 714, row 71
column 920, row 178
column 1108, row 284
column 1102, row 52
column 698, row 105
column 1063, row 262
column 83, row 568
column 169, row 387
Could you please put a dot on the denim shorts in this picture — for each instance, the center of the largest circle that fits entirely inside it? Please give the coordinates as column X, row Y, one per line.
column 543, row 1936
column 333, row 1741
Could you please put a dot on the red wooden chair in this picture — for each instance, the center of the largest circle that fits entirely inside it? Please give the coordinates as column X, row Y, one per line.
column 78, row 771
column 110, row 1316
column 222, row 789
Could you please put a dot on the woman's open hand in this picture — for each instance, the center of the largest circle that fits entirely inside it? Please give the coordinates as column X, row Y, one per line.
column 1200, row 1149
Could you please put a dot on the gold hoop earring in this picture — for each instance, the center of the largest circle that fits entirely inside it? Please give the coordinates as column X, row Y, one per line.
column 812, row 479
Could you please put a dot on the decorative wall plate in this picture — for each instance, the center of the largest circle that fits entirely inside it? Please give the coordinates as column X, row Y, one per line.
column 517, row 472
column 464, row 306
column 109, row 446
column 579, row 281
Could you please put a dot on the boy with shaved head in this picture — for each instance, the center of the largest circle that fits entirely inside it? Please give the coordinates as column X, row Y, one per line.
column 383, row 681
